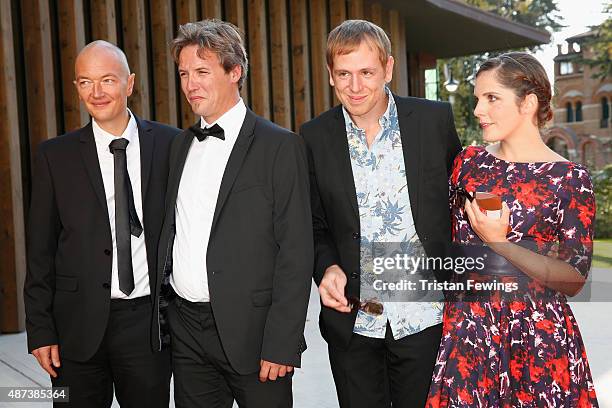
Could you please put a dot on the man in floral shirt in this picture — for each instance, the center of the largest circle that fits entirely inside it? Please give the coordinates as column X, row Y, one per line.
column 379, row 165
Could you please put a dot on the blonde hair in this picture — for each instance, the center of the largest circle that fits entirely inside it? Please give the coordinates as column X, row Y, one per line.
column 347, row 37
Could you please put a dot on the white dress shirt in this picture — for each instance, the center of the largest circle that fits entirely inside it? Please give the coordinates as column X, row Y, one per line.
column 107, row 166
column 196, row 203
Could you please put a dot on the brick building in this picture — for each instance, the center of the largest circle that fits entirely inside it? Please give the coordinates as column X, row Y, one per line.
column 581, row 128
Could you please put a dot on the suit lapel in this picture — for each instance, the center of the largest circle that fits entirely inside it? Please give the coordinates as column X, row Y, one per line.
column 338, row 144
column 89, row 154
column 409, row 124
column 234, row 163
column 146, row 139
column 178, row 156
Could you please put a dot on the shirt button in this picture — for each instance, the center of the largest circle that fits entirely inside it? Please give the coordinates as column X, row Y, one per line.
column 356, row 235
column 354, row 275
column 106, row 285
column 107, row 252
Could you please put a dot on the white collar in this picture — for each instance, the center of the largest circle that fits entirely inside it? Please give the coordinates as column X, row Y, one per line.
column 130, row 130
column 230, row 121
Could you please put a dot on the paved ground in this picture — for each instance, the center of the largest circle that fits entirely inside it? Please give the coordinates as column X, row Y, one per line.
column 313, row 384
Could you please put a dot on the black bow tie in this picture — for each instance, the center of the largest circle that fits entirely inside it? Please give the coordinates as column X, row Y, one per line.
column 203, row 133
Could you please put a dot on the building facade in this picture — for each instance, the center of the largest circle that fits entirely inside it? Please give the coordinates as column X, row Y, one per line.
column 582, row 129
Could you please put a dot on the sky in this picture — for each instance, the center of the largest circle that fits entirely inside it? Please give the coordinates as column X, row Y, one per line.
column 577, row 15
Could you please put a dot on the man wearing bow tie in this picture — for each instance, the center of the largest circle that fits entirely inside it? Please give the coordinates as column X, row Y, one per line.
column 236, row 248
column 96, row 214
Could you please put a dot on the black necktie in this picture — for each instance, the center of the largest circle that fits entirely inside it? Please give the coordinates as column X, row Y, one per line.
column 126, row 218
column 203, row 133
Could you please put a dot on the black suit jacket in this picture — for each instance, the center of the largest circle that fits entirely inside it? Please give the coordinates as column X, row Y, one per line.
column 429, row 143
column 260, row 250
column 69, row 244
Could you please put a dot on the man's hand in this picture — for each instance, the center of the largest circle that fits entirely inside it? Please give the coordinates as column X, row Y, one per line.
column 331, row 289
column 48, row 357
column 271, row 371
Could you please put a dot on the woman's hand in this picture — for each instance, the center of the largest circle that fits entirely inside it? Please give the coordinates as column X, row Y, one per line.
column 490, row 230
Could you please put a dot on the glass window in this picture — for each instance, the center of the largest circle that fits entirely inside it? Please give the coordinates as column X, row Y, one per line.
column 431, row 84
column 605, row 112
column 569, row 112
column 578, row 111
column 566, row 68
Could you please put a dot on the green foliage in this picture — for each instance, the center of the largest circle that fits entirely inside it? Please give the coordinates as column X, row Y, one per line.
column 542, row 14
column 601, row 45
column 602, row 186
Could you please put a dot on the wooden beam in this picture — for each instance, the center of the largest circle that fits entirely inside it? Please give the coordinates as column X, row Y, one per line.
column 279, row 49
column 103, row 20
column 355, row 10
column 71, row 29
column 186, row 12
column 164, row 71
column 234, row 13
column 318, row 40
column 135, row 47
column 258, row 53
column 12, row 234
column 376, row 14
column 212, row 9
column 39, row 64
column 337, row 13
column 300, row 59
column 397, row 33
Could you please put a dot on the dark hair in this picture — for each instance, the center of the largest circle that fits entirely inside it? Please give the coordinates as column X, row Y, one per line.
column 523, row 74
column 220, row 37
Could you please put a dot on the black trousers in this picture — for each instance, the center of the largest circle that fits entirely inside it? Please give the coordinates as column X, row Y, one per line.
column 203, row 377
column 141, row 377
column 375, row 373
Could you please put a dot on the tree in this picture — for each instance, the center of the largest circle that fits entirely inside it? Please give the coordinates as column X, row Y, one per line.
column 601, row 46
column 602, row 187
column 541, row 14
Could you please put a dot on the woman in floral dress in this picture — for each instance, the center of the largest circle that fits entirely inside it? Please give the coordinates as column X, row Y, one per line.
column 526, row 352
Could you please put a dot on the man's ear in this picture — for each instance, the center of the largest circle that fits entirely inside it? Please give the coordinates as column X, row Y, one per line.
column 235, row 73
column 130, row 84
column 389, row 69
column 331, row 77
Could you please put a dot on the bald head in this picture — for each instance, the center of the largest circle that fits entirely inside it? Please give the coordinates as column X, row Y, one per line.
column 104, row 83
column 103, row 50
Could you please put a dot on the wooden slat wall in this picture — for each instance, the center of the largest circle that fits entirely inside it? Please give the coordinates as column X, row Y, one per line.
column 104, row 20
column 212, row 9
column 40, row 81
column 300, row 62
column 355, row 10
column 71, row 29
column 186, row 11
column 318, row 39
column 287, row 81
column 258, row 53
column 164, row 70
column 397, row 35
column 234, row 13
column 135, row 47
column 12, row 243
column 281, row 70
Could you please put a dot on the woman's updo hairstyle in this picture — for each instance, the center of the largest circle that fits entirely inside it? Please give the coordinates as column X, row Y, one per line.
column 523, row 74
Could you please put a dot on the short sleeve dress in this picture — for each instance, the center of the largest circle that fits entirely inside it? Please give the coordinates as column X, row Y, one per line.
column 508, row 353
